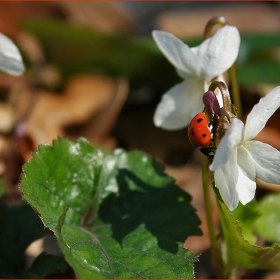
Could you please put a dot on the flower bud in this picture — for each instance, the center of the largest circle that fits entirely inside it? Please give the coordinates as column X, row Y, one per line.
column 210, row 102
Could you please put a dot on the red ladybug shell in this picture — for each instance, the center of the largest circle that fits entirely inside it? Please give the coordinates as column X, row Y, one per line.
column 199, row 131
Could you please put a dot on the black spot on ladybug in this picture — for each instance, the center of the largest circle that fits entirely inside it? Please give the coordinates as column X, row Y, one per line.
column 193, row 133
column 203, row 135
column 199, row 120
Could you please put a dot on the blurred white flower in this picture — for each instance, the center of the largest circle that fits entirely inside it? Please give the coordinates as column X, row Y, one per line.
column 10, row 58
column 239, row 160
column 197, row 66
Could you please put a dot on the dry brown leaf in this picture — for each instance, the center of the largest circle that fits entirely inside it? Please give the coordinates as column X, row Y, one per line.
column 12, row 13
column 87, row 94
column 31, row 47
column 85, row 97
column 100, row 126
column 6, row 118
column 106, row 17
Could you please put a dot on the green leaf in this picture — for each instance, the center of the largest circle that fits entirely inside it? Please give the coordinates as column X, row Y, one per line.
column 79, row 49
column 69, row 175
column 75, row 49
column 240, row 253
column 114, row 214
column 19, row 226
column 257, row 60
column 268, row 225
column 45, row 265
column 252, row 73
column 247, row 216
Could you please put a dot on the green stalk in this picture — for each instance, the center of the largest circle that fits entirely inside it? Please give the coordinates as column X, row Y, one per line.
column 235, row 89
column 212, row 22
column 217, row 260
column 228, row 270
column 222, row 269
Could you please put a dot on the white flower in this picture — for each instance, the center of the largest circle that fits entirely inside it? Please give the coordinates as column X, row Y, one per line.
column 197, row 66
column 239, row 160
column 10, row 58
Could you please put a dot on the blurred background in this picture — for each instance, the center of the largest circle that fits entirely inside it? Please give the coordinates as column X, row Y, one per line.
column 94, row 71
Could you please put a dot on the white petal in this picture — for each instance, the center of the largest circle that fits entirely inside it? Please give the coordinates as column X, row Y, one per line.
column 266, row 160
column 219, row 52
column 246, row 185
column 220, row 78
column 10, row 58
column 261, row 112
column 226, row 179
column 231, row 139
column 178, row 53
column 179, row 105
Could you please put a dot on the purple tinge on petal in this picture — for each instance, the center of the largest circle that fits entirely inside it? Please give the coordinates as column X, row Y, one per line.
column 210, row 102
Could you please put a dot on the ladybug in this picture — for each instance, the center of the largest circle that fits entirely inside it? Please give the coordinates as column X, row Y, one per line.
column 200, row 135
column 199, row 131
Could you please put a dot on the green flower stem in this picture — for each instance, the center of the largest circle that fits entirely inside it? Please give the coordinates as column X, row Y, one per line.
column 215, row 248
column 212, row 22
column 228, row 269
column 235, row 89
